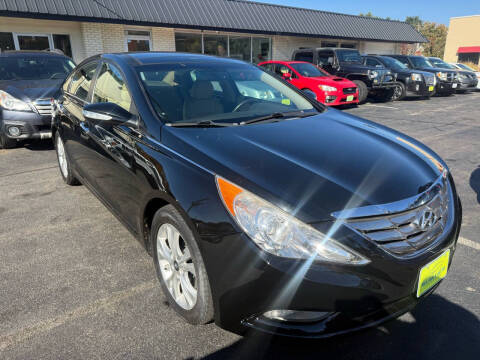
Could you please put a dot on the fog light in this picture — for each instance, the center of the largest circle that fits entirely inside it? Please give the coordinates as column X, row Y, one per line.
column 296, row 316
column 14, row 131
column 330, row 98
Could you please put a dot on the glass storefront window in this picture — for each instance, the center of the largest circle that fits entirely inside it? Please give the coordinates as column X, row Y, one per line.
column 240, row 48
column 215, row 45
column 191, row 43
column 6, row 41
column 33, row 42
column 260, row 50
column 246, row 48
column 62, row 42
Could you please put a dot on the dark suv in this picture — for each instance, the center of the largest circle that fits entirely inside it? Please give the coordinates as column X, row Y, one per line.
column 446, row 79
column 467, row 80
column 409, row 82
column 347, row 63
column 29, row 81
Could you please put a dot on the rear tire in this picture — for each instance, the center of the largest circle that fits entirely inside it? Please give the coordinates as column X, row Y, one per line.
column 180, row 267
column 6, row 142
column 63, row 162
column 362, row 91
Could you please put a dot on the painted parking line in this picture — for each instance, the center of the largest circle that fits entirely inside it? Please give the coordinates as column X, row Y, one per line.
column 469, row 243
column 381, row 106
column 49, row 324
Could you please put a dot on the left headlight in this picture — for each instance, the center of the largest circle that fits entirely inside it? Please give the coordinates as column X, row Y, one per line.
column 442, row 75
column 279, row 233
column 416, row 77
column 327, row 88
column 9, row 102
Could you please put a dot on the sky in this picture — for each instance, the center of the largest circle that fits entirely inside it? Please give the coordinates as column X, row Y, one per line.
column 439, row 11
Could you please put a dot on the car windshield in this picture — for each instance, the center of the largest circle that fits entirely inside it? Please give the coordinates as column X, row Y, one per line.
column 31, row 67
column 393, row 63
column 463, row 66
column 307, row 70
column 351, row 56
column 440, row 63
column 421, row 62
column 228, row 92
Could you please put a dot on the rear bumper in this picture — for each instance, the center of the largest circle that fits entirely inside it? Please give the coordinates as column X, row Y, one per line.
column 30, row 124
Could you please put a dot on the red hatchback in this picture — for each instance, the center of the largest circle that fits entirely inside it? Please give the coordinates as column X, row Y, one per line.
column 330, row 90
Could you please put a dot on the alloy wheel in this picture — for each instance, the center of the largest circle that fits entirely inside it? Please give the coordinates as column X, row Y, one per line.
column 62, row 159
column 397, row 93
column 176, row 266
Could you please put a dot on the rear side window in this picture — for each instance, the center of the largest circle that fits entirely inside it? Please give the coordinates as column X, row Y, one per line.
column 304, row 56
column 111, row 87
column 81, row 80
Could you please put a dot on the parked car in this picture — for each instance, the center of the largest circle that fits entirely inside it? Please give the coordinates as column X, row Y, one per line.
column 461, row 66
column 467, row 80
column 447, row 81
column 277, row 214
column 29, row 80
column 328, row 89
column 347, row 63
column 409, row 82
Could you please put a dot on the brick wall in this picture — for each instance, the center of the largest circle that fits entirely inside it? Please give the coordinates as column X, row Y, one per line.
column 113, row 36
column 163, row 39
column 92, row 39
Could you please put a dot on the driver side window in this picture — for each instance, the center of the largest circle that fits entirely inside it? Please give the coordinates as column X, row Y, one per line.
column 325, row 58
column 110, row 87
column 81, row 80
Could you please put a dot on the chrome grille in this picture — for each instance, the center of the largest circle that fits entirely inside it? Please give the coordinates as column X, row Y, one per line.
column 406, row 227
column 43, row 106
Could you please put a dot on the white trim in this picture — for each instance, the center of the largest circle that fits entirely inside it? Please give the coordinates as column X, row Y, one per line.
column 138, row 37
column 17, row 44
column 463, row 17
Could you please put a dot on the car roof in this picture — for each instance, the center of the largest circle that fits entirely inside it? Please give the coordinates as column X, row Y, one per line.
column 159, row 57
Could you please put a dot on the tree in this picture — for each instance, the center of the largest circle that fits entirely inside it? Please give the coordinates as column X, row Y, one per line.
column 370, row 15
column 436, row 35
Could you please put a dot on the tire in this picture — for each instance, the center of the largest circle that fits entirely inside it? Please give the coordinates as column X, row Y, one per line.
column 399, row 92
column 63, row 162
column 6, row 142
column 176, row 275
column 362, row 91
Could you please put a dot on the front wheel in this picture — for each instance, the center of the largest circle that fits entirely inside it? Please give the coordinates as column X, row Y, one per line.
column 362, row 91
column 63, row 162
column 6, row 142
column 399, row 92
column 180, row 268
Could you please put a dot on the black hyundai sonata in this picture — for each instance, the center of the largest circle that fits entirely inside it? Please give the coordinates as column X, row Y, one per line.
column 260, row 207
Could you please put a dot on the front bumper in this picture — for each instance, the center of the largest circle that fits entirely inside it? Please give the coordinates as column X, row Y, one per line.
column 339, row 98
column 419, row 88
column 469, row 85
column 247, row 282
column 446, row 87
column 31, row 125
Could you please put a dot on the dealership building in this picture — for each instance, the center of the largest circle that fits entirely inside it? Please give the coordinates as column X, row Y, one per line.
column 245, row 30
column 463, row 40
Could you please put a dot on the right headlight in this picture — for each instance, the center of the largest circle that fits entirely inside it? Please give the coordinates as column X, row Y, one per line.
column 442, row 75
column 279, row 233
column 416, row 77
column 9, row 102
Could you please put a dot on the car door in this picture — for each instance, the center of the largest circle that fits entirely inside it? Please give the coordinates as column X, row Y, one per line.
column 373, row 62
column 74, row 128
column 326, row 59
column 114, row 146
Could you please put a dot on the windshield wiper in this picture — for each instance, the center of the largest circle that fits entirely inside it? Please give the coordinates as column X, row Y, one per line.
column 206, row 123
column 279, row 115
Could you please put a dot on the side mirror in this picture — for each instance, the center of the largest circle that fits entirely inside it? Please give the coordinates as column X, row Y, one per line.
column 108, row 113
column 286, row 76
column 310, row 94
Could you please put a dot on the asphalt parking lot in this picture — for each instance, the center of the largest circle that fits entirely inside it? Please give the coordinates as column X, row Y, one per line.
column 75, row 284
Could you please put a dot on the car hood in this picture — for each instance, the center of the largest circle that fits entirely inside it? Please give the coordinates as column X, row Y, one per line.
column 313, row 166
column 434, row 69
column 31, row 90
column 334, row 81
